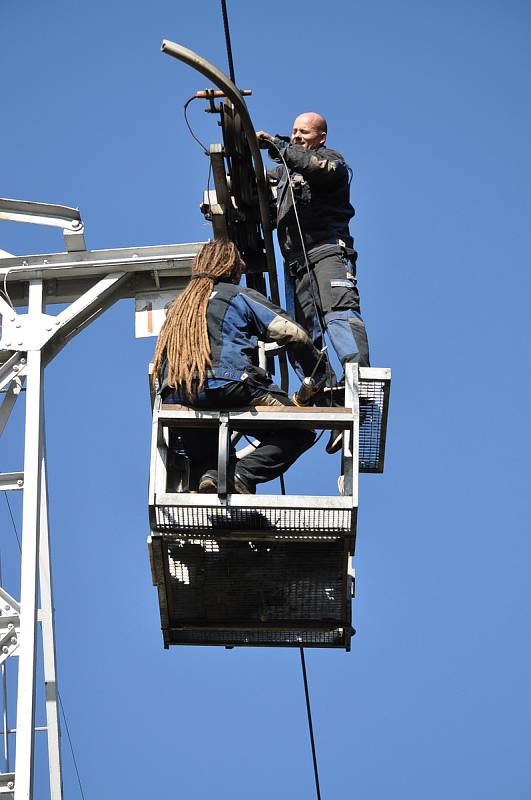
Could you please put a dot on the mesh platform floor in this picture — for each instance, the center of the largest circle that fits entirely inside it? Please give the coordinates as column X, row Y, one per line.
column 236, row 592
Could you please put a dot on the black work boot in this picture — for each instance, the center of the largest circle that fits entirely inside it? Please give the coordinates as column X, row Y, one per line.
column 209, row 484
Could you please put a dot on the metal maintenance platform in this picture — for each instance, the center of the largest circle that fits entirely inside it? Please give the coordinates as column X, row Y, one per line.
column 262, row 570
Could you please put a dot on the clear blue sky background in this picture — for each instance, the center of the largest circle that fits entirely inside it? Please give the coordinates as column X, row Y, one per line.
column 429, row 102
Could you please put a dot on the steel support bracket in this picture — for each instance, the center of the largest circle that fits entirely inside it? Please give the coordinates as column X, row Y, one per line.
column 11, row 481
column 9, row 625
column 7, row 783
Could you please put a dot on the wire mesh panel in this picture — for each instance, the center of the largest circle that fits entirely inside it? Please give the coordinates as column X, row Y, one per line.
column 337, row 637
column 305, row 523
column 253, row 593
column 374, row 401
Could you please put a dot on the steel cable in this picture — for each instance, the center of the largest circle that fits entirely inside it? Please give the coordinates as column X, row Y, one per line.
column 307, row 694
column 227, row 40
column 58, row 693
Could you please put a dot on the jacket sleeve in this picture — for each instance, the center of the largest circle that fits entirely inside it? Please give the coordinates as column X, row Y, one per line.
column 275, row 325
column 327, row 170
column 275, row 174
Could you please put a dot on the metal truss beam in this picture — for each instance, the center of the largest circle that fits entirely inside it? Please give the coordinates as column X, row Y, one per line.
column 67, row 275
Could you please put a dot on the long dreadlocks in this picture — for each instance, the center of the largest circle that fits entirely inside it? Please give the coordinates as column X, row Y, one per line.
column 183, row 339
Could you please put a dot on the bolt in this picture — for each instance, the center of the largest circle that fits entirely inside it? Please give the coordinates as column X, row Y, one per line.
column 5, row 649
column 19, row 344
column 48, row 329
column 8, row 344
column 57, row 321
column 11, row 785
column 20, row 482
column 10, row 626
column 12, row 319
column 18, row 325
column 7, row 607
column 13, row 640
column 22, row 360
column 16, row 368
column 76, row 223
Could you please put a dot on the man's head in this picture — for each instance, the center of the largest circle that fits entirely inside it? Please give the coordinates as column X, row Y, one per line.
column 309, row 130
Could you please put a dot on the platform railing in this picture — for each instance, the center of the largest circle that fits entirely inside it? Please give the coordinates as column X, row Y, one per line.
column 172, row 510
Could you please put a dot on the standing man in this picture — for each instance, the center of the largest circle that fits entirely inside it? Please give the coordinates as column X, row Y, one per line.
column 313, row 212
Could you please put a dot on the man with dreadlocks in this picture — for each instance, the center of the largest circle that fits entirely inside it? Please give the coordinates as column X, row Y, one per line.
column 207, row 355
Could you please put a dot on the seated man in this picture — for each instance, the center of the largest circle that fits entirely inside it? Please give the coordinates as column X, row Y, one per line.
column 207, row 356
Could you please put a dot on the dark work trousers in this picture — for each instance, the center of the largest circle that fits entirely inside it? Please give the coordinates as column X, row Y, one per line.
column 277, row 449
column 331, row 286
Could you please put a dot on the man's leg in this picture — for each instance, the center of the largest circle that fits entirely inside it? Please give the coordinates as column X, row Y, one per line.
column 308, row 309
column 339, row 300
column 277, row 449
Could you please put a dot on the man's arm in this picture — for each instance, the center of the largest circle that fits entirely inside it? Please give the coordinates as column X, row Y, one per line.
column 327, row 170
column 275, row 325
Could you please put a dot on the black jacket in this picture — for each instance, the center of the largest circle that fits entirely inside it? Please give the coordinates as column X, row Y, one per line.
column 321, row 184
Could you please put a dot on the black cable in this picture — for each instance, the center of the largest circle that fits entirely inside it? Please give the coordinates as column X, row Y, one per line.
column 322, row 323
column 185, row 109
column 71, row 746
column 310, row 726
column 227, row 40
column 58, row 695
column 13, row 521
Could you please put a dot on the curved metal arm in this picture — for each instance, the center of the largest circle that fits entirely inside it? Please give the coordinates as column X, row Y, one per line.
column 220, row 79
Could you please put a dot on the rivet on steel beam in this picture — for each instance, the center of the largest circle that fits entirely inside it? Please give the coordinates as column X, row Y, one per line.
column 7, row 607
column 13, row 640
column 48, row 329
column 20, row 482
column 10, row 626
column 57, row 321
column 5, row 649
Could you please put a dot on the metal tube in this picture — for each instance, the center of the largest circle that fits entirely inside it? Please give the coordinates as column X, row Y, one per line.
column 6, row 728
column 24, row 758
column 48, row 638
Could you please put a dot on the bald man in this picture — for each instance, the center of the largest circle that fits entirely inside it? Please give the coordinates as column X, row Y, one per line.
column 319, row 257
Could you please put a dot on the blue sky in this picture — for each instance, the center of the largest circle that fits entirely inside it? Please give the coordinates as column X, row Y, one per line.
column 429, row 102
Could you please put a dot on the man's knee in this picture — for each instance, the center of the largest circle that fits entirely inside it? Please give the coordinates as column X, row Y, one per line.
column 348, row 335
column 273, row 399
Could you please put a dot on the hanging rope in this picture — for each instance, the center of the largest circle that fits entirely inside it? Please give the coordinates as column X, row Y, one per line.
column 310, row 726
column 282, row 484
column 307, row 694
column 227, row 40
column 71, row 745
